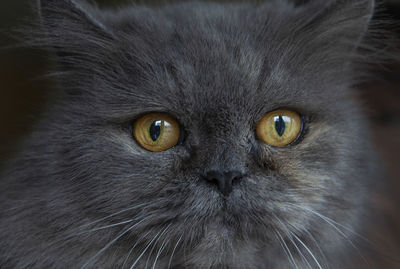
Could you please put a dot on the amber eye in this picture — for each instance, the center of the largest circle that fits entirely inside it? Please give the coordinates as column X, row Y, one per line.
column 279, row 128
column 156, row 132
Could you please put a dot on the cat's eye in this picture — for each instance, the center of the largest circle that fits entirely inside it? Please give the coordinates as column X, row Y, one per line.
column 156, row 132
column 279, row 128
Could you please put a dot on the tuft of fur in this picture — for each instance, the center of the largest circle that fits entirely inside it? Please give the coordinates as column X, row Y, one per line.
column 83, row 194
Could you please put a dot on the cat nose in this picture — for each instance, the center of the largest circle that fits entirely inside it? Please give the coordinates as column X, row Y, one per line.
column 224, row 180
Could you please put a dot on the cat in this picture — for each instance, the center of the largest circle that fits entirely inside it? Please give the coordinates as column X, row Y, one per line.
column 194, row 135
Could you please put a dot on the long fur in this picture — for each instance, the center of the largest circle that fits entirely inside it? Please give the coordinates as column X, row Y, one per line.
column 82, row 193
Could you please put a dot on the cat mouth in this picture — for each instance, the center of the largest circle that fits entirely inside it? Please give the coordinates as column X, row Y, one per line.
column 224, row 222
column 220, row 229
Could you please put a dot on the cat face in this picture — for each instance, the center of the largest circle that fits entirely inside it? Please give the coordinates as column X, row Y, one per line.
column 217, row 70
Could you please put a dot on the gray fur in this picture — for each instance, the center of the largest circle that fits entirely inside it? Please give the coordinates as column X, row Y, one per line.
column 217, row 68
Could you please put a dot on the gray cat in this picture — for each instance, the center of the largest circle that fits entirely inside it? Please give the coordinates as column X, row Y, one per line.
column 194, row 135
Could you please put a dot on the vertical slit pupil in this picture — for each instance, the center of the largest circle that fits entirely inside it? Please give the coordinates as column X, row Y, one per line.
column 280, row 125
column 155, row 130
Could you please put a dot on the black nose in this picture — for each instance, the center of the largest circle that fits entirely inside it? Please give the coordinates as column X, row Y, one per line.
column 224, row 180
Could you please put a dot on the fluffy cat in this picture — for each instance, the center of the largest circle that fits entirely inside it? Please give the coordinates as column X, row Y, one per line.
column 85, row 193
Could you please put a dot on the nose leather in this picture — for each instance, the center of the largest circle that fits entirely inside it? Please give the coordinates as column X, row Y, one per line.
column 224, row 180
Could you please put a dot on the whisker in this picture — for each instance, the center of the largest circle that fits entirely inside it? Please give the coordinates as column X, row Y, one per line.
column 286, row 248
column 159, row 252
column 152, row 249
column 184, row 256
column 110, row 243
column 134, row 246
column 112, row 215
column 304, row 189
column 369, row 243
column 308, row 250
column 319, row 248
column 173, row 251
column 289, row 236
column 148, row 245
column 105, row 227
column 328, row 220
column 337, row 223
column 298, row 250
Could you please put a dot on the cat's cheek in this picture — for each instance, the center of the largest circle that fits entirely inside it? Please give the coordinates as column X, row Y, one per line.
column 263, row 157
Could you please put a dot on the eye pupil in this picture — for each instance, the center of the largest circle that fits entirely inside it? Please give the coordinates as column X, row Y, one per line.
column 279, row 128
column 155, row 130
column 280, row 125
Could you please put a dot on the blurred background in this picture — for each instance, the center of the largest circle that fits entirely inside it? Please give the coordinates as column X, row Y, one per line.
column 23, row 91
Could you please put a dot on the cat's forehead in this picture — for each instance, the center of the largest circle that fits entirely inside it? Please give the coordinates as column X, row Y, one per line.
column 199, row 59
column 221, row 76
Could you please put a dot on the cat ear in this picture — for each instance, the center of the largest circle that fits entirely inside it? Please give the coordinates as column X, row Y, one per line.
column 328, row 38
column 72, row 28
column 342, row 21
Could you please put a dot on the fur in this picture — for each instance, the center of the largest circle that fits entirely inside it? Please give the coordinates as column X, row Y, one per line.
column 83, row 194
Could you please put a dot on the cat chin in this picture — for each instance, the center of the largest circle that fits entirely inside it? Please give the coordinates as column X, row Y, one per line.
column 222, row 246
column 219, row 249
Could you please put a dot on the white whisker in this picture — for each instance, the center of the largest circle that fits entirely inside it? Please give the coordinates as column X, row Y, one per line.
column 110, row 243
column 308, row 250
column 298, row 250
column 148, row 245
column 337, row 223
column 134, row 246
column 319, row 248
column 152, row 249
column 112, row 215
column 303, row 189
column 173, row 251
column 289, row 235
column 105, row 227
column 286, row 249
column 159, row 253
column 330, row 222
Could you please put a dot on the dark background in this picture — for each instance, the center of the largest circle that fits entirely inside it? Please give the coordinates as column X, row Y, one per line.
column 23, row 91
